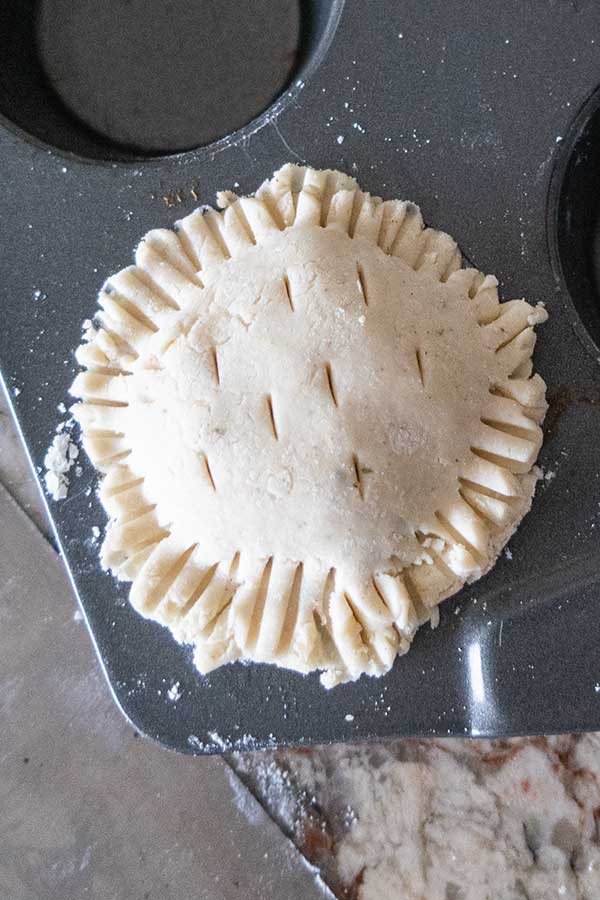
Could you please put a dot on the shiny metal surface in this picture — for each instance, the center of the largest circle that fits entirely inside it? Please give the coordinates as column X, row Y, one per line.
column 462, row 108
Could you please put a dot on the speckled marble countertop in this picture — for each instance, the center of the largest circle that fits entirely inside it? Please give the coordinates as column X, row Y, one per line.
column 409, row 820
column 442, row 820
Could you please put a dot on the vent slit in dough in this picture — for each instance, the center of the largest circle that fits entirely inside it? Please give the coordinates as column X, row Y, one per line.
column 330, row 383
column 358, row 483
column 215, row 362
column 361, row 283
column 288, row 291
column 420, row 368
column 272, row 417
column 209, row 473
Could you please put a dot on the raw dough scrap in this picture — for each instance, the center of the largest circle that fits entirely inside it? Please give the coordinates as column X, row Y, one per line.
column 314, row 425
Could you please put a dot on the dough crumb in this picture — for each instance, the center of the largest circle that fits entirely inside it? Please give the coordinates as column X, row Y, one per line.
column 225, row 199
column 174, row 692
column 60, row 456
column 89, row 330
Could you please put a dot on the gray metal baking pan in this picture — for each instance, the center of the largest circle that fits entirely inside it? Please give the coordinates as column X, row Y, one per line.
column 483, row 114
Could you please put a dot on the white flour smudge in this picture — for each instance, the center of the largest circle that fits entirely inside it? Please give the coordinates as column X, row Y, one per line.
column 60, row 456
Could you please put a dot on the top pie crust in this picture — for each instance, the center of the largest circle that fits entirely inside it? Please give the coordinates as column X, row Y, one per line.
column 314, row 425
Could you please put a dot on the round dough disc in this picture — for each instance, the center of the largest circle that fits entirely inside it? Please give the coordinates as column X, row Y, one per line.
column 314, row 423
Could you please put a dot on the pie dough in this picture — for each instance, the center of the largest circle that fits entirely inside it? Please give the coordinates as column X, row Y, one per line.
column 314, row 425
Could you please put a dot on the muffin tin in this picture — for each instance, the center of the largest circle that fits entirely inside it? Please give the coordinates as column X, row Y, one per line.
column 488, row 118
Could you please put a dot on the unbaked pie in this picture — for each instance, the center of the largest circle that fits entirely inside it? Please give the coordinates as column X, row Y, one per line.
column 314, row 425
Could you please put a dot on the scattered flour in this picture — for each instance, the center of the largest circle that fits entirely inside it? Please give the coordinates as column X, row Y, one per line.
column 244, row 743
column 60, row 456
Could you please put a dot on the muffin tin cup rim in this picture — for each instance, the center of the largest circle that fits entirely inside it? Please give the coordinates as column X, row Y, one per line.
column 574, row 131
column 307, row 69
